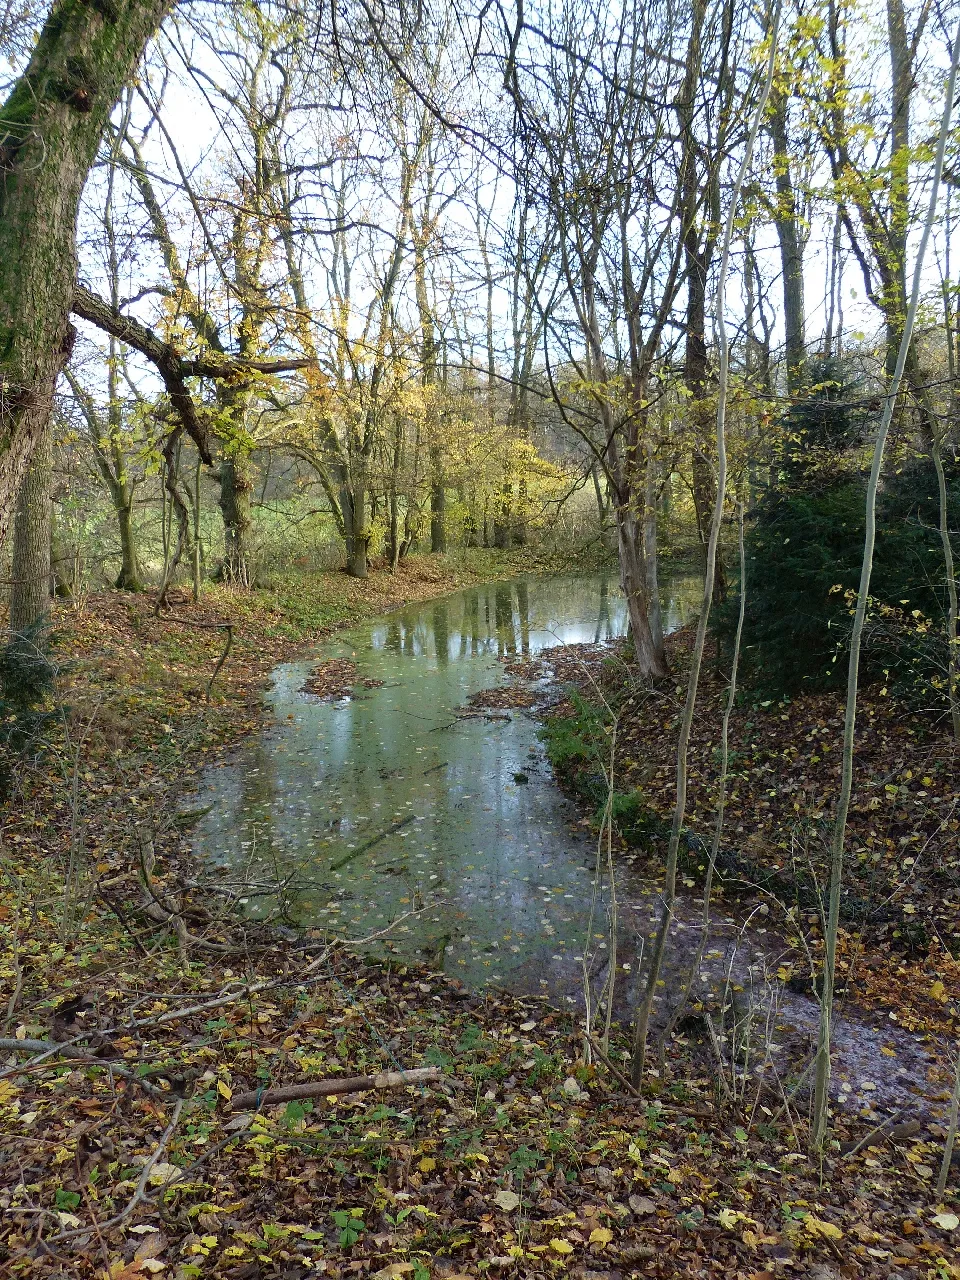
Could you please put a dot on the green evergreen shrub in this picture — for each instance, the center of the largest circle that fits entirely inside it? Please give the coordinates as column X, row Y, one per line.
column 804, row 546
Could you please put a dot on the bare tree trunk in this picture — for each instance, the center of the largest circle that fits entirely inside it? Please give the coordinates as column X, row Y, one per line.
column 791, row 251
column 30, row 589
column 129, row 577
column 822, row 1075
column 61, row 561
column 950, row 575
column 196, row 550
column 354, row 506
column 50, row 127
column 633, row 573
column 438, row 504
column 650, row 558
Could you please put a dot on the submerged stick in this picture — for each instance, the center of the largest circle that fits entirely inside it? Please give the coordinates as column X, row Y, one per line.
column 325, row 1088
column 364, row 848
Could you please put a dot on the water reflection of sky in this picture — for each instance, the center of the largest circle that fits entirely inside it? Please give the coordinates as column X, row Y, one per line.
column 506, row 876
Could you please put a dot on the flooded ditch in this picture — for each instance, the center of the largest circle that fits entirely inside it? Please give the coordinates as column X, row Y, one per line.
column 373, row 805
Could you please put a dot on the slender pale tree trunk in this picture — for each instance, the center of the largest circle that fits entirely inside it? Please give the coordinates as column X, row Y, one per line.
column 645, row 1011
column 950, row 575
column 650, row 557
column 822, row 1070
column 50, row 127
column 30, row 588
column 438, row 503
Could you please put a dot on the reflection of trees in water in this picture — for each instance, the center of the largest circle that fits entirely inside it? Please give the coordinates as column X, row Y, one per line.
column 394, row 639
column 441, row 631
column 506, row 637
column 471, row 623
column 258, row 794
column 604, row 629
column 523, row 608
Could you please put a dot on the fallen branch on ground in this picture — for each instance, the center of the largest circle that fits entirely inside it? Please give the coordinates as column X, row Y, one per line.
column 325, row 1088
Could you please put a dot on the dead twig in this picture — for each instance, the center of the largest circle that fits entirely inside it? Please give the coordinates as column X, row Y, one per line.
column 615, row 1071
column 141, row 1189
column 326, row 1088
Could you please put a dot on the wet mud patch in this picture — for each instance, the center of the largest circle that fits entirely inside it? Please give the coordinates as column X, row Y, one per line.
column 742, row 1018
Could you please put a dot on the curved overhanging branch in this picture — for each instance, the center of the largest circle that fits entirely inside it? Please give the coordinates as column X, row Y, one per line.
column 173, row 367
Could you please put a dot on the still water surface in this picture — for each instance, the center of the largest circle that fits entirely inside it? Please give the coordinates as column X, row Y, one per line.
column 375, row 804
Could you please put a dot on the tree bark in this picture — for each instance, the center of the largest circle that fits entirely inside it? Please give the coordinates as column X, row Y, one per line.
column 791, row 251
column 128, row 578
column 50, row 127
column 650, row 655
column 30, row 589
column 438, row 505
column 356, row 533
column 236, row 487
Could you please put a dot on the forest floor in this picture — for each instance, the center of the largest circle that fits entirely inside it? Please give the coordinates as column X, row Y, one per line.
column 138, row 1004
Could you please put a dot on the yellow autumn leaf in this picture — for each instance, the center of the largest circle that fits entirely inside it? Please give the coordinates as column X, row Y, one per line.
column 939, row 991
column 427, row 1164
column 601, row 1235
column 224, row 1090
column 817, row 1227
column 8, row 1090
column 561, row 1246
column 730, row 1218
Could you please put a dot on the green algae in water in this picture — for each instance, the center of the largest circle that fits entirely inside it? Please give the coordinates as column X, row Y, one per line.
column 385, row 804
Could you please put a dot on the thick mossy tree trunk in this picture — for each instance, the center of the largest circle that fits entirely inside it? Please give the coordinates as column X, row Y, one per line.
column 353, row 503
column 128, row 579
column 236, row 487
column 50, row 127
column 30, row 570
column 438, row 512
